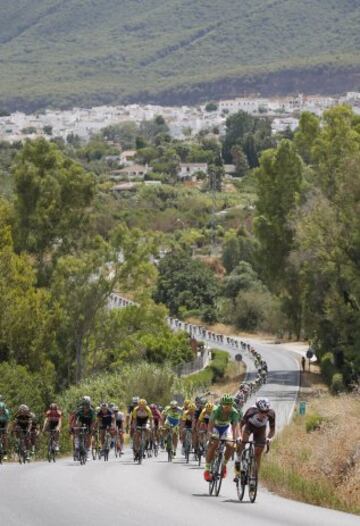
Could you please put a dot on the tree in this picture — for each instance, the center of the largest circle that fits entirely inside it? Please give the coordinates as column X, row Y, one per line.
column 279, row 181
column 216, row 175
column 240, row 160
column 124, row 133
column 82, row 284
column 184, row 282
column 52, row 198
column 27, row 321
column 211, row 106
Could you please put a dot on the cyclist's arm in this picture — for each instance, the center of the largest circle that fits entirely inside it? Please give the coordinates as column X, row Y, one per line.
column 45, row 424
column 271, row 424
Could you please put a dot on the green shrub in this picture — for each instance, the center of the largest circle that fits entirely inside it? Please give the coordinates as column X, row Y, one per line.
column 212, row 373
column 337, row 383
column 327, row 367
column 313, row 422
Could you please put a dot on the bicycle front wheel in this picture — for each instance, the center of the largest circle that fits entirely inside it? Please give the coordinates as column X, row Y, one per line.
column 219, row 479
column 253, row 480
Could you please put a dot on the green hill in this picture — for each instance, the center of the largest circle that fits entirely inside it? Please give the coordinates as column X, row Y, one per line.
column 57, row 52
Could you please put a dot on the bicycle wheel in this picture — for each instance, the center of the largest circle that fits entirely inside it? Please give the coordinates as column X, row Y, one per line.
column 213, row 480
column 219, row 479
column 253, row 479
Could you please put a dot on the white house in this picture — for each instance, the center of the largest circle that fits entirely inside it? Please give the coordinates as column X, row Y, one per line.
column 127, row 157
column 188, row 170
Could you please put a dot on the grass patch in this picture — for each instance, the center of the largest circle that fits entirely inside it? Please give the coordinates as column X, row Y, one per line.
column 321, row 468
column 214, row 372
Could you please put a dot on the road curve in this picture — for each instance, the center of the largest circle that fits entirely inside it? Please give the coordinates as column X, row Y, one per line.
column 119, row 492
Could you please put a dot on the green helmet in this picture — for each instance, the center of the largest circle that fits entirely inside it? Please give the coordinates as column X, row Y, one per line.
column 226, row 399
column 2, row 406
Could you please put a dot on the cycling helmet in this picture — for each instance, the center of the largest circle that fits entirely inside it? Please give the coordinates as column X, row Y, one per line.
column 191, row 406
column 53, row 406
column 2, row 406
column 209, row 406
column 23, row 408
column 142, row 402
column 263, row 404
column 115, row 408
column 153, row 406
column 186, row 403
column 226, row 399
column 97, row 409
column 86, row 400
column 135, row 399
column 173, row 403
column 104, row 405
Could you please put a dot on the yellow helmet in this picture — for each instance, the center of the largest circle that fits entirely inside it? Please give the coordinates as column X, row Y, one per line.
column 187, row 403
column 209, row 406
column 142, row 402
column 191, row 406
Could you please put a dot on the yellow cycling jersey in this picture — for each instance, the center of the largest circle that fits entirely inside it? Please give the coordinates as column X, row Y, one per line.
column 204, row 415
column 142, row 412
column 188, row 416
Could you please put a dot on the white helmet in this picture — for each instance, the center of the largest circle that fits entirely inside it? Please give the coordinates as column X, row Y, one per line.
column 263, row 404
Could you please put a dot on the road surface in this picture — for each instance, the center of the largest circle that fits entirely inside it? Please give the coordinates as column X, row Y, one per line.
column 156, row 493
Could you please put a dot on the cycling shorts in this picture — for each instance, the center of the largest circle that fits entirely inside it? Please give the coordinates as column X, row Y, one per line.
column 172, row 422
column 223, row 432
column 259, row 434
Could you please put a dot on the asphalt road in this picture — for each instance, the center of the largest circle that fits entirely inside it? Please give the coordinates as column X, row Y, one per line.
column 156, row 493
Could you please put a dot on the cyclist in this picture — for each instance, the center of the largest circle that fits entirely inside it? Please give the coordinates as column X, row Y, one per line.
column 84, row 416
column 4, row 425
column 203, row 424
column 255, row 422
column 171, row 419
column 188, row 422
column 119, row 423
column 131, row 407
column 105, row 421
column 52, row 422
column 223, row 424
column 141, row 418
column 156, row 421
column 22, row 426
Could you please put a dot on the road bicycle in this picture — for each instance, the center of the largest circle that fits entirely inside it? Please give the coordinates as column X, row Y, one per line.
column 2, row 449
column 80, row 452
column 52, row 445
column 117, row 443
column 21, row 449
column 217, row 468
column 187, row 444
column 106, row 445
column 202, row 445
column 140, row 452
column 169, row 446
column 95, row 446
column 248, row 471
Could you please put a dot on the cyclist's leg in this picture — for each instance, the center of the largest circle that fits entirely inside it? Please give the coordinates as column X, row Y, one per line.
column 239, row 449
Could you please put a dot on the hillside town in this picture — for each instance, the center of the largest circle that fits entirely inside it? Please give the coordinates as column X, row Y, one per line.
column 182, row 121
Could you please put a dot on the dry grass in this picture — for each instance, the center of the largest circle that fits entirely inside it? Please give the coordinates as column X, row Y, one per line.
column 322, row 466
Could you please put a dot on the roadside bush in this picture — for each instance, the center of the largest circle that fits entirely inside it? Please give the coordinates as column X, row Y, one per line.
column 19, row 386
column 212, row 373
column 337, row 383
column 313, row 422
column 327, row 367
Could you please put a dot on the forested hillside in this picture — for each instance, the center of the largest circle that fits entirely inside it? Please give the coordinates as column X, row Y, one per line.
column 64, row 52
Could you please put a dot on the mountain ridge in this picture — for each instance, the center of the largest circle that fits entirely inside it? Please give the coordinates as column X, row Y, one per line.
column 61, row 53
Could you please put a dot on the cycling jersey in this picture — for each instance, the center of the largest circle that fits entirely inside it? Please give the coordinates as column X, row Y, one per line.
column 204, row 416
column 23, row 420
column 105, row 419
column 53, row 415
column 119, row 419
column 172, row 416
column 85, row 419
column 253, row 418
column 141, row 415
column 188, row 419
column 220, row 418
column 4, row 417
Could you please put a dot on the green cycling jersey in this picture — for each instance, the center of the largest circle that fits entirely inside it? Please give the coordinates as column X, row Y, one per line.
column 221, row 418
